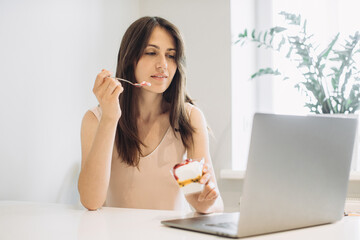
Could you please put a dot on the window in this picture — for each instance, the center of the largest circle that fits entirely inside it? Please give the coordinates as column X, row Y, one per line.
column 325, row 19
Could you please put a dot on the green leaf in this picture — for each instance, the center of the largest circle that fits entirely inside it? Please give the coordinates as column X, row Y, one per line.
column 281, row 43
column 324, row 54
column 304, row 28
column 347, row 77
column 271, row 40
column 334, row 83
column 289, row 52
column 265, row 71
column 292, row 18
column 276, row 30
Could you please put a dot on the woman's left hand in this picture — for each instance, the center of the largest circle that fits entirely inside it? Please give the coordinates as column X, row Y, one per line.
column 204, row 201
column 210, row 191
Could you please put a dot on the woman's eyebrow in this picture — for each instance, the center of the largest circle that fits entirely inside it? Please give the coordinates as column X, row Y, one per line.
column 157, row 47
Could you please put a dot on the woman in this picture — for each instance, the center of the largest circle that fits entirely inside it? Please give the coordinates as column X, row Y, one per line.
column 131, row 141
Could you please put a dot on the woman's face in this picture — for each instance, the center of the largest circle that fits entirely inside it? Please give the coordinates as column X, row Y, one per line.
column 157, row 64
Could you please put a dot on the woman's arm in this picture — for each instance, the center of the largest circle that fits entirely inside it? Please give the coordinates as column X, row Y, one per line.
column 97, row 142
column 209, row 200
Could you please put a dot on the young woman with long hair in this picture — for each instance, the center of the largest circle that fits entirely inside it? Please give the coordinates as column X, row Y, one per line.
column 134, row 137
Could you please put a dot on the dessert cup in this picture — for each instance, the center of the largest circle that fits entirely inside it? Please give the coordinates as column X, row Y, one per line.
column 188, row 174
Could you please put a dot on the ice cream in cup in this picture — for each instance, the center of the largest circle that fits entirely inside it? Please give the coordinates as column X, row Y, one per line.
column 188, row 174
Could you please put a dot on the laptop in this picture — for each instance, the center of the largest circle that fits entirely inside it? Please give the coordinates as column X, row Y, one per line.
column 297, row 176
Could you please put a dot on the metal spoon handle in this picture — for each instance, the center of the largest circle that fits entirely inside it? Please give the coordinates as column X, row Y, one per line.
column 127, row 81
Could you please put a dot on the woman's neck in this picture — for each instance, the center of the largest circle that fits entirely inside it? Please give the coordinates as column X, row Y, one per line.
column 150, row 106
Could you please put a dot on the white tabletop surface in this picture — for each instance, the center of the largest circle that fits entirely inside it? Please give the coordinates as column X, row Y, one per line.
column 24, row 220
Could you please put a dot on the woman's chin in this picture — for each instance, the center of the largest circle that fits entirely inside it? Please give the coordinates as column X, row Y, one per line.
column 156, row 88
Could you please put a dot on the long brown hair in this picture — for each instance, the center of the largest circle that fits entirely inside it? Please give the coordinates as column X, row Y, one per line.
column 132, row 47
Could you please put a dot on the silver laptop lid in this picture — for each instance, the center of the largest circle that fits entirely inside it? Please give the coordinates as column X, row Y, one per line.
column 297, row 173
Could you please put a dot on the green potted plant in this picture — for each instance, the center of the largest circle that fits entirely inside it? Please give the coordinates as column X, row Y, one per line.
column 331, row 79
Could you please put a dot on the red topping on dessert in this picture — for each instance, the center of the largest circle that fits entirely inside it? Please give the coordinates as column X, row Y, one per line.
column 187, row 161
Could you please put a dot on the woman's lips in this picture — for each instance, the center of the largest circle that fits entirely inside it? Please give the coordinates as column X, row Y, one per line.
column 159, row 77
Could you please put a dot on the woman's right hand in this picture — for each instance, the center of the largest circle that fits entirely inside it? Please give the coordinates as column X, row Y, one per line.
column 107, row 91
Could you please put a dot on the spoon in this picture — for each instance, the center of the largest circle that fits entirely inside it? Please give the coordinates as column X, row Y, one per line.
column 142, row 84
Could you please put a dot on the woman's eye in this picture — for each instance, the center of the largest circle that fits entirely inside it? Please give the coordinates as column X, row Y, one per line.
column 150, row 53
column 171, row 56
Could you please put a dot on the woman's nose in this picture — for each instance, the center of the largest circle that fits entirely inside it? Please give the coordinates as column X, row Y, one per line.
column 162, row 62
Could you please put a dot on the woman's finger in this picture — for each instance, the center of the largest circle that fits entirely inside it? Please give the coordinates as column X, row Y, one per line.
column 112, row 85
column 119, row 89
column 202, row 195
column 205, row 178
column 100, row 78
column 212, row 195
column 100, row 91
column 211, row 185
column 205, row 168
column 207, row 189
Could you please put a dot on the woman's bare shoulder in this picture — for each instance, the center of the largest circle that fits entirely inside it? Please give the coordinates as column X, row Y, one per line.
column 196, row 116
column 89, row 120
column 189, row 107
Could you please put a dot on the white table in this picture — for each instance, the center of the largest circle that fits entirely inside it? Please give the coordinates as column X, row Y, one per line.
column 24, row 220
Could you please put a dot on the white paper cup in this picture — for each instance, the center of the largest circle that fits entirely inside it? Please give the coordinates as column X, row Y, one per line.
column 192, row 188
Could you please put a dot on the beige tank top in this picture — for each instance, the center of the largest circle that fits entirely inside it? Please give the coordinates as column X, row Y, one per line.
column 152, row 186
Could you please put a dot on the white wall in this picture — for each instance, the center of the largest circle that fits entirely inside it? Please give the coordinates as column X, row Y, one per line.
column 50, row 53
